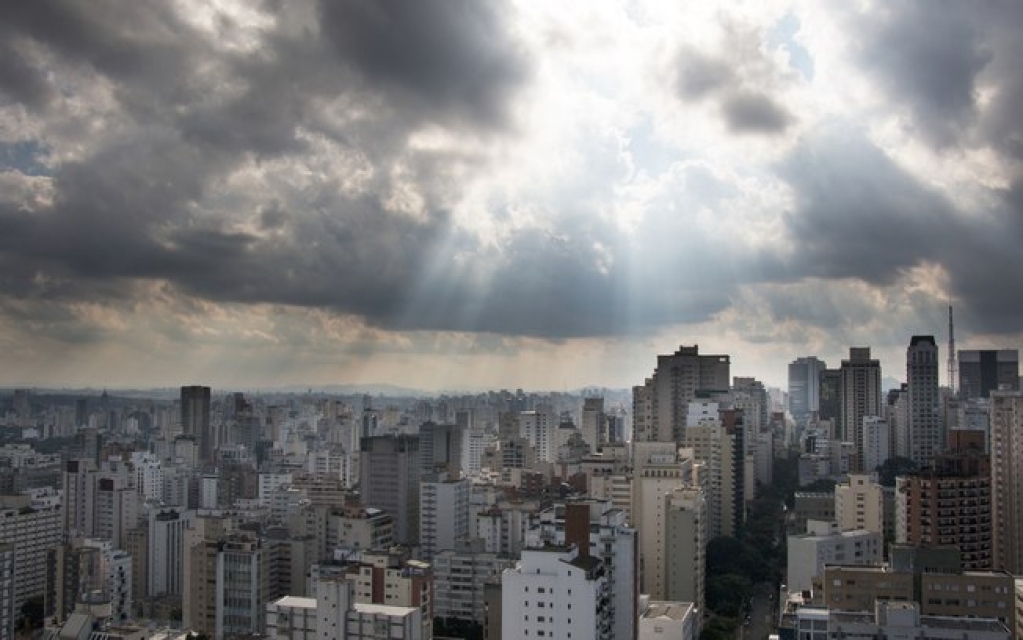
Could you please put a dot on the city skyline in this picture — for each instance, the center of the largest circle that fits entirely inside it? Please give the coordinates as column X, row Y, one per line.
column 445, row 196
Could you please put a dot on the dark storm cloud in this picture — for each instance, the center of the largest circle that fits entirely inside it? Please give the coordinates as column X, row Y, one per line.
column 20, row 79
column 859, row 215
column 1000, row 123
column 929, row 57
column 449, row 55
column 135, row 206
column 138, row 43
column 754, row 113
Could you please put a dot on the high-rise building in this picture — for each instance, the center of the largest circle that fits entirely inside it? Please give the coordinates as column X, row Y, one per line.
column 601, row 531
column 948, row 504
column 195, row 420
column 7, row 573
column 860, row 394
column 659, row 469
column 389, row 471
column 1006, row 480
column 859, row 504
column 804, row 387
column 442, row 447
column 981, row 372
column 35, row 533
column 230, row 586
column 459, row 581
column 391, row 577
column 661, row 405
column 594, row 423
column 166, row 550
column 926, row 431
column 443, row 512
column 830, row 396
column 556, row 591
column 876, row 445
column 92, row 567
column 538, row 428
column 686, row 547
column 719, row 447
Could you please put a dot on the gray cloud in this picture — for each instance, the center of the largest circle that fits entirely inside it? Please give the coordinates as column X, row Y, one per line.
column 860, row 216
column 453, row 58
column 738, row 79
column 148, row 195
column 700, row 75
column 20, row 79
column 754, row 113
column 929, row 57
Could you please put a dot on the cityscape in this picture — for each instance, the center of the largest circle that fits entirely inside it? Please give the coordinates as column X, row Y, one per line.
column 576, row 320
column 698, row 504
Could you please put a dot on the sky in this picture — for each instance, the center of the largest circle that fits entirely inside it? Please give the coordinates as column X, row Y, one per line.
column 444, row 194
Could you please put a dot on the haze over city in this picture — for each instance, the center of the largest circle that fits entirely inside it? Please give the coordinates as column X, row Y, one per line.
column 449, row 195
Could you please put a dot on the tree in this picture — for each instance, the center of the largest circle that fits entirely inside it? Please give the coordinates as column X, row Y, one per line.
column 32, row 612
column 893, row 468
column 727, row 594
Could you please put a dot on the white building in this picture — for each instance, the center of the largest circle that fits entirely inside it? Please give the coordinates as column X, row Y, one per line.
column 604, row 530
column 669, row 621
column 538, row 428
column 291, row 618
column 891, row 619
column 443, row 512
column 556, row 592
column 269, row 483
column 876, row 445
column 148, row 475
column 334, row 615
column 166, row 549
column 825, row 544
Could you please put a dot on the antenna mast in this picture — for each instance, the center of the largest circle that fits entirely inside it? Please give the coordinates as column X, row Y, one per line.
column 951, row 352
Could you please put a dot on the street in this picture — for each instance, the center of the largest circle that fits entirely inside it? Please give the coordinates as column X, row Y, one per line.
column 761, row 615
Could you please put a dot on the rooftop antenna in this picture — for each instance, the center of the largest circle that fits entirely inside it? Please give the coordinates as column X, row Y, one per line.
column 951, row 352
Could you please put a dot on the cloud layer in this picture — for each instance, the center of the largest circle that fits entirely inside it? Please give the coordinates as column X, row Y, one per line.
column 334, row 191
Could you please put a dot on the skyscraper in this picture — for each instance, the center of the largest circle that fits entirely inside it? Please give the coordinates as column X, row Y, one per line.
column 389, row 472
column 948, row 503
column 804, row 387
column 661, row 405
column 981, row 372
column 1006, row 480
column 830, row 396
column 594, row 423
column 926, row 431
column 860, row 397
column 195, row 419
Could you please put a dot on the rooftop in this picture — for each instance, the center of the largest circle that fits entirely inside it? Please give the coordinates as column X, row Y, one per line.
column 295, row 602
column 669, row 610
